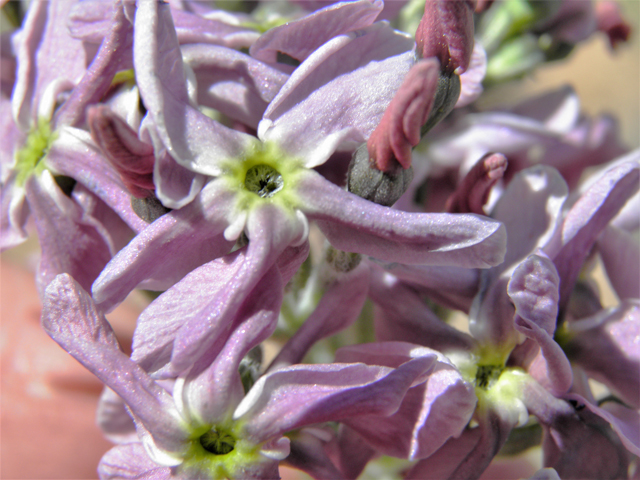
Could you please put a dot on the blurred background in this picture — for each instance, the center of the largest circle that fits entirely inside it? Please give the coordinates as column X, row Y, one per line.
column 48, row 401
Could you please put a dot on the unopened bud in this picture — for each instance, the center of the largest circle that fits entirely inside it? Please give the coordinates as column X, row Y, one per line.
column 148, row 209
column 365, row 180
column 446, row 97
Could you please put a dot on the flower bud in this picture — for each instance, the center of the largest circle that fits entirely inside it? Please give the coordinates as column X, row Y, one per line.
column 365, row 180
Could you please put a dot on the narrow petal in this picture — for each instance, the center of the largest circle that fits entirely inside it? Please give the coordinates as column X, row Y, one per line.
column 308, row 454
column 89, row 21
column 534, row 290
column 14, row 214
column 306, row 394
column 405, row 317
column 25, row 44
column 115, row 48
column 583, row 446
column 70, row 317
column 589, row 216
column 192, row 28
column 621, row 258
column 213, row 395
column 452, row 286
column 113, row 419
column 350, row 453
column 359, row 72
column 530, row 208
column 338, row 308
column 68, row 240
column 175, row 185
column 193, row 302
column 356, row 225
column 191, row 138
column 430, row 413
column 606, row 346
column 624, row 421
column 75, row 155
column 232, row 82
column 443, row 463
column 132, row 158
column 130, row 462
column 300, row 38
column 195, row 232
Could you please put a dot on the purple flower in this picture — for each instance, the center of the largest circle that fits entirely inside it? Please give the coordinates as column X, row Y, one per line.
column 78, row 228
column 265, row 187
column 201, row 426
column 517, row 366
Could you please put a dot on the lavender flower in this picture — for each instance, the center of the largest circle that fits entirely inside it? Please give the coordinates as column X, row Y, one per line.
column 43, row 142
column 265, row 187
column 194, row 432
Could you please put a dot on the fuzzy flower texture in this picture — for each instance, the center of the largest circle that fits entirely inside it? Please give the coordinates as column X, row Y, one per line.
column 310, row 197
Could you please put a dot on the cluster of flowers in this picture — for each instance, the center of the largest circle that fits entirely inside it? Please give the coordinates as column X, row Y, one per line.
column 245, row 165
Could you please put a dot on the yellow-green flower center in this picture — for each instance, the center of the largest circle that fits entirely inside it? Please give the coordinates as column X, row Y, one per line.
column 265, row 174
column 219, row 451
column 263, row 180
column 30, row 158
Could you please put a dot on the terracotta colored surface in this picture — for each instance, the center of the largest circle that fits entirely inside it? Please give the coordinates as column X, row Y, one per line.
column 48, row 399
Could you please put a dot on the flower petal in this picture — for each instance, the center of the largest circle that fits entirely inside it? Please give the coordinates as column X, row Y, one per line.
column 356, row 225
column 114, row 55
column 305, row 394
column 70, row 317
column 213, row 395
column 589, row 216
column 621, row 258
column 359, row 72
column 430, row 413
column 405, row 317
column 606, row 346
column 131, row 462
column 194, row 140
column 68, row 240
column 75, row 155
column 300, row 38
column 338, row 308
column 534, row 290
column 233, row 83
column 195, row 232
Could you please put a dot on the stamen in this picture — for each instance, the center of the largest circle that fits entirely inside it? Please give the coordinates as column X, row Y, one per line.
column 487, row 375
column 218, row 442
column 264, row 181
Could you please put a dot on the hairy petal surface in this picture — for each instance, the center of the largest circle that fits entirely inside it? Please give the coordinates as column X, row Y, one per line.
column 70, row 317
column 305, row 394
column 534, row 290
column 430, row 413
column 356, row 225
column 300, row 38
column 360, row 72
column 191, row 138
column 589, row 216
column 184, row 239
